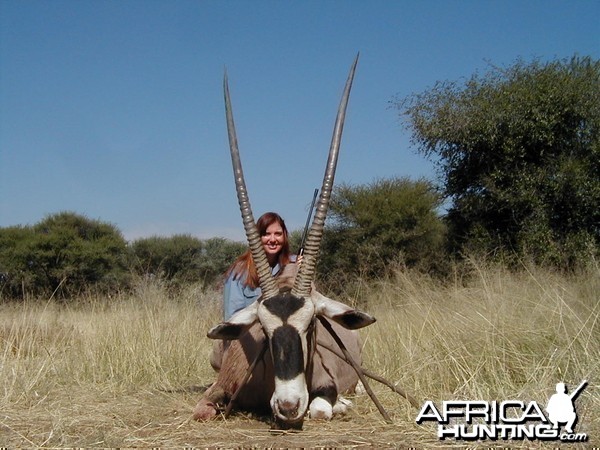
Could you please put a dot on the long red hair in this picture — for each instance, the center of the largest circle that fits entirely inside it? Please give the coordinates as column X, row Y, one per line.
column 244, row 264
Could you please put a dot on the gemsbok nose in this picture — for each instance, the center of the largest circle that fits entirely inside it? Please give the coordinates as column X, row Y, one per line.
column 288, row 409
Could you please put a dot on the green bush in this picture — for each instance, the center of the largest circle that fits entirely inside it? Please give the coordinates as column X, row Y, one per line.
column 17, row 277
column 376, row 225
column 217, row 255
column 175, row 259
column 183, row 259
column 65, row 254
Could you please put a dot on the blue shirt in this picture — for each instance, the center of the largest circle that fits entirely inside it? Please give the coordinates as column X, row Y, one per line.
column 237, row 295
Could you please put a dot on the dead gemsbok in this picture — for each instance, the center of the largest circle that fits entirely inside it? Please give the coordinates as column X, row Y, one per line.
column 291, row 350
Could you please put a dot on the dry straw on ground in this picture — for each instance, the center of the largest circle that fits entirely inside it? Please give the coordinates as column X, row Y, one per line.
column 124, row 372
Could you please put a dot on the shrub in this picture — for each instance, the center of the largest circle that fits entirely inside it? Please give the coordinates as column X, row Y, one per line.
column 65, row 254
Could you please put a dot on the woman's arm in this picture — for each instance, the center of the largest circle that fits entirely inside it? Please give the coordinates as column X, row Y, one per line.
column 236, row 296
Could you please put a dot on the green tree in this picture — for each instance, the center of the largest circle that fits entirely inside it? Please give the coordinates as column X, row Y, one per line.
column 388, row 221
column 217, row 255
column 295, row 240
column 519, row 154
column 183, row 259
column 16, row 261
column 176, row 259
column 64, row 254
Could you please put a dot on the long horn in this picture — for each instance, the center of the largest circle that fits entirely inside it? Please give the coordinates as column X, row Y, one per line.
column 268, row 284
column 302, row 285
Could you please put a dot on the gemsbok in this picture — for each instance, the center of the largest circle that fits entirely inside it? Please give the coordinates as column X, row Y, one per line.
column 280, row 341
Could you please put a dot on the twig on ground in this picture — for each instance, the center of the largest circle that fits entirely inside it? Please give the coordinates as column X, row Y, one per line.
column 375, row 377
column 357, row 368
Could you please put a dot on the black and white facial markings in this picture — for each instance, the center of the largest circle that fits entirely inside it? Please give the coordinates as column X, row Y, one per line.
column 286, row 319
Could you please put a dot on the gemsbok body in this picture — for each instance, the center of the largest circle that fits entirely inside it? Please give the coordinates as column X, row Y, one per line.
column 298, row 373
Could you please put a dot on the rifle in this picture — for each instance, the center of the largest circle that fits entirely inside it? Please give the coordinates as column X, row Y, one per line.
column 578, row 390
column 310, row 211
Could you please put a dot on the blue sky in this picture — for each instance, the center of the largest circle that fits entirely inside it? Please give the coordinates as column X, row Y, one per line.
column 114, row 109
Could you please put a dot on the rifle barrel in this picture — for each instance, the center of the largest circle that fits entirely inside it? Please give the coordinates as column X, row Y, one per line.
column 310, row 211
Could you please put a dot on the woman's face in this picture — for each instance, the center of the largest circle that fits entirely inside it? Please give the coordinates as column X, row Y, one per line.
column 272, row 241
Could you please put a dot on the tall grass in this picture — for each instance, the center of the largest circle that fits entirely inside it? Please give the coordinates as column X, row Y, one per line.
column 144, row 339
column 499, row 335
column 118, row 372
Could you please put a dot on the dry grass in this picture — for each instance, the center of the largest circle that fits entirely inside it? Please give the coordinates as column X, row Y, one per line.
column 121, row 372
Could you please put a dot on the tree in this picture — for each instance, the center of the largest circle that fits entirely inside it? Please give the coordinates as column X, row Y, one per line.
column 183, row 259
column 16, row 260
column 64, row 254
column 176, row 259
column 218, row 254
column 387, row 221
column 519, row 155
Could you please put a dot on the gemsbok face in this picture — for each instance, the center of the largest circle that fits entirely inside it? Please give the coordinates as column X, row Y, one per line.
column 288, row 318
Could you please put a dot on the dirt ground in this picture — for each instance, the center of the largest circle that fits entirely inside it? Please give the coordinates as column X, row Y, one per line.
column 104, row 418
column 155, row 418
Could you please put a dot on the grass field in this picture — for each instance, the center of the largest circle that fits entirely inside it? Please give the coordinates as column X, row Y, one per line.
column 124, row 371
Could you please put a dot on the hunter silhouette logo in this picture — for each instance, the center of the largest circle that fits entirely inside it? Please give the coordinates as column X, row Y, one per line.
column 561, row 408
column 510, row 419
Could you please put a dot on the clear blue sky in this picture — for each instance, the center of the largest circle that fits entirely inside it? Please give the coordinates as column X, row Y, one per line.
column 114, row 109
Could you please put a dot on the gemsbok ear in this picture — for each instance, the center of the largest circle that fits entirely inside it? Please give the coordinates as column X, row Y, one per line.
column 346, row 316
column 236, row 325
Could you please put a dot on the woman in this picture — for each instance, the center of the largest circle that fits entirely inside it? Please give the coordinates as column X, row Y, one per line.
column 242, row 284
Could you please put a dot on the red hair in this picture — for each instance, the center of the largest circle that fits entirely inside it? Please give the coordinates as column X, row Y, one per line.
column 244, row 264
